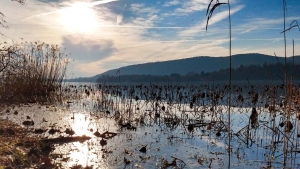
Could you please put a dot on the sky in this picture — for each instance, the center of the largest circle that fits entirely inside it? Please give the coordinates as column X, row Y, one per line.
column 107, row 34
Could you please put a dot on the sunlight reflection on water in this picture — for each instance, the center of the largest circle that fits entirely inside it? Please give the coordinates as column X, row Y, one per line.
column 87, row 153
column 79, row 155
column 80, row 124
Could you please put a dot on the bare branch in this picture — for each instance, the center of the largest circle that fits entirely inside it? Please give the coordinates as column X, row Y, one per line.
column 2, row 20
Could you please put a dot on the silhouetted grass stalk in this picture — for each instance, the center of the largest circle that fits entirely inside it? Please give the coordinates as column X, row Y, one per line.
column 209, row 13
column 288, row 87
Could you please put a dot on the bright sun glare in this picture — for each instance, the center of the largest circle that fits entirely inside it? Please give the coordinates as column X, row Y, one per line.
column 79, row 17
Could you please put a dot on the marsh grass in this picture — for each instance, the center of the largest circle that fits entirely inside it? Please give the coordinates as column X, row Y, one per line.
column 31, row 72
column 288, row 85
column 191, row 110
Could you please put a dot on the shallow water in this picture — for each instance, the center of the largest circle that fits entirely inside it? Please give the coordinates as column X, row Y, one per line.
column 166, row 137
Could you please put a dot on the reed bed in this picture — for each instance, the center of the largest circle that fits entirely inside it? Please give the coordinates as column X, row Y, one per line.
column 31, row 72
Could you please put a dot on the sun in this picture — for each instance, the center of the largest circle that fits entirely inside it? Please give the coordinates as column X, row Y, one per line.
column 79, row 17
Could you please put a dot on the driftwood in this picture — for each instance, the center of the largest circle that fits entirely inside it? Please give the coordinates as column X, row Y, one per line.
column 58, row 140
column 66, row 139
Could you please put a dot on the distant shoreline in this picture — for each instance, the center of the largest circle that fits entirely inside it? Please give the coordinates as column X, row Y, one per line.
column 216, row 82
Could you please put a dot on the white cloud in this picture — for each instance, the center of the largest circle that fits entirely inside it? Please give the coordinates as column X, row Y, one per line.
column 191, row 6
column 119, row 19
column 142, row 9
column 164, row 50
column 172, row 3
column 263, row 24
column 196, row 29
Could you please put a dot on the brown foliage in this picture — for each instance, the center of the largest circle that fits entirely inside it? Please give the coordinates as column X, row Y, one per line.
column 31, row 71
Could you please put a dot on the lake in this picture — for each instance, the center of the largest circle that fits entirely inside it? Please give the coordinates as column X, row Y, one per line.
column 169, row 126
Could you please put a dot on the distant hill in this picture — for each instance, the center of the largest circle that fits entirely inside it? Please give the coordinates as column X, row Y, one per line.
column 263, row 73
column 193, row 65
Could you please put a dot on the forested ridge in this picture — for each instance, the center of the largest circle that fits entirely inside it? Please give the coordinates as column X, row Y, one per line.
column 250, row 72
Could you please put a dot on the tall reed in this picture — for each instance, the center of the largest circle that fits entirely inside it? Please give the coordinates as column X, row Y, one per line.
column 31, row 71
column 209, row 13
column 288, row 86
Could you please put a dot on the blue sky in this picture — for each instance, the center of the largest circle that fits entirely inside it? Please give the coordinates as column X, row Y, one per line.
column 107, row 34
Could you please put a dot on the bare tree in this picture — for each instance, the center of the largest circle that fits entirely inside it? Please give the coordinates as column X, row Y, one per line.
column 2, row 16
column 6, row 51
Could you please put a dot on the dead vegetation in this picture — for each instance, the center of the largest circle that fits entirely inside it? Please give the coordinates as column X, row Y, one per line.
column 10, row 154
column 31, row 72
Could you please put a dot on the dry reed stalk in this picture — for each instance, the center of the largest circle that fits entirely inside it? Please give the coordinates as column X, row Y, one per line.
column 31, row 71
column 209, row 13
column 288, row 90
